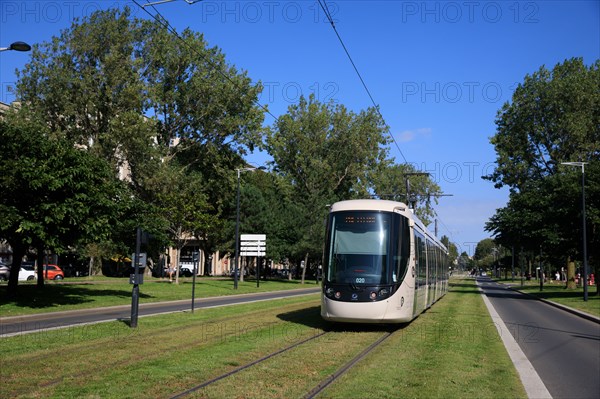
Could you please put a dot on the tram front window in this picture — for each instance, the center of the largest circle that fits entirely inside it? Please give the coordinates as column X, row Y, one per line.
column 358, row 248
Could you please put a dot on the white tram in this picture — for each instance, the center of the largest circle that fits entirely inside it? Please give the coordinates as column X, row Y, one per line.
column 381, row 264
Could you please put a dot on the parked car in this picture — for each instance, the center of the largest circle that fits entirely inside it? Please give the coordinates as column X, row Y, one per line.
column 4, row 271
column 27, row 273
column 186, row 270
column 232, row 272
column 53, row 272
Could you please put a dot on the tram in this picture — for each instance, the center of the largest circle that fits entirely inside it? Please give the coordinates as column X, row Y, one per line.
column 381, row 265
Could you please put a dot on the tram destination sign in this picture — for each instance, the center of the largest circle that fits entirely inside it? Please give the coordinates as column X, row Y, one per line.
column 253, row 245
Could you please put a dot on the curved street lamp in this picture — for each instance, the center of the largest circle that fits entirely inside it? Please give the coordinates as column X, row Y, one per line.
column 17, row 46
column 584, row 277
column 237, row 223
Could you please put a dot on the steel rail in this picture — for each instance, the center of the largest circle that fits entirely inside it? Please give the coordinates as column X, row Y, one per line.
column 342, row 370
column 244, row 367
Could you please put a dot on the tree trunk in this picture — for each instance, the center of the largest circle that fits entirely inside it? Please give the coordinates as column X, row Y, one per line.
column 13, row 280
column 305, row 267
column 571, row 275
column 242, row 267
column 40, row 266
column 177, row 265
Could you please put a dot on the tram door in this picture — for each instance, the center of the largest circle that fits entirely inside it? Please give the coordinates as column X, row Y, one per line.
column 420, row 274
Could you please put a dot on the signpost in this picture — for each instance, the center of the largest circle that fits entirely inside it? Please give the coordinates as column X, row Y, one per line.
column 195, row 257
column 254, row 245
column 136, row 279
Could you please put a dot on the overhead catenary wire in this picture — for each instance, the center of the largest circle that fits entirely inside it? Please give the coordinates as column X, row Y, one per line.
column 325, row 9
column 165, row 23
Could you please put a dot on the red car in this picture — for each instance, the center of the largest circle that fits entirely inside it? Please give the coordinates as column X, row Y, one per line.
column 53, row 272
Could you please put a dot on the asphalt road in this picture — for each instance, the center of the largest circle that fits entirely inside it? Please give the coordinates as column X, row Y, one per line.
column 563, row 348
column 10, row 326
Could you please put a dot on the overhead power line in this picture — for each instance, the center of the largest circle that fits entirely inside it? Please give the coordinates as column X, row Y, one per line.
column 325, row 9
column 158, row 17
column 165, row 24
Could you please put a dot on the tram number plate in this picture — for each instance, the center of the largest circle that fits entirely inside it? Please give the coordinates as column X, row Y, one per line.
column 360, row 280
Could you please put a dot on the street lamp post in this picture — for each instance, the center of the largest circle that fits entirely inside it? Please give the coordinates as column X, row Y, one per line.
column 237, row 225
column 582, row 165
column 17, row 46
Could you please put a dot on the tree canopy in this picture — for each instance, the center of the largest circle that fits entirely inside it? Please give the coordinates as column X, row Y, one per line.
column 140, row 126
column 54, row 195
column 554, row 117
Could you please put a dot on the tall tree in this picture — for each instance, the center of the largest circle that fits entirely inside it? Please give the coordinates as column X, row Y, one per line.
column 141, row 96
column 53, row 195
column 554, row 117
column 181, row 205
column 327, row 152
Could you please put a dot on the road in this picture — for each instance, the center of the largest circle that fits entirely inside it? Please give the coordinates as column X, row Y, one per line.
column 10, row 326
column 563, row 348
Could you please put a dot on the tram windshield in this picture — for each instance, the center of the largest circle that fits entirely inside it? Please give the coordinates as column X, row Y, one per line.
column 358, row 250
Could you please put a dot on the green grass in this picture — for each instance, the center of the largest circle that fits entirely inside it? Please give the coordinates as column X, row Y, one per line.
column 556, row 292
column 86, row 293
column 452, row 350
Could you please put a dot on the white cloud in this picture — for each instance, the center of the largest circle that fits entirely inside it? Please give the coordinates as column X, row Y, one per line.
column 410, row 135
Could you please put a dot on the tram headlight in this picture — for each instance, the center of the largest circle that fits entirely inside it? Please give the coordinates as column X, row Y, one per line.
column 338, row 295
column 329, row 292
column 384, row 292
column 373, row 295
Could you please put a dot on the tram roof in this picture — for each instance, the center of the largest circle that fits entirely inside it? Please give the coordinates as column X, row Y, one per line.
column 368, row 205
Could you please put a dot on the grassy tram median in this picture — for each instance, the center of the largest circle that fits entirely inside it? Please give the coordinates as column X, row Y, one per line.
column 452, row 350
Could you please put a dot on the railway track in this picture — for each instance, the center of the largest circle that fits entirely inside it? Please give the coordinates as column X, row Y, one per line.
column 248, row 365
column 342, row 370
column 313, row 392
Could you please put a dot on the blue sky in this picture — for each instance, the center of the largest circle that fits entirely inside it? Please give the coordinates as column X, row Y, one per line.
column 439, row 70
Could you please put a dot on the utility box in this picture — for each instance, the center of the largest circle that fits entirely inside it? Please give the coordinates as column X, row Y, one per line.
column 139, row 277
column 136, row 278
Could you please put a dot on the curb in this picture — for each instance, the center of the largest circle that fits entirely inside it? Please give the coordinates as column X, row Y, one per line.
column 532, row 383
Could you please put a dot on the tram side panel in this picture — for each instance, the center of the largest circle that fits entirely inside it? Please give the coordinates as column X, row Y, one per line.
column 420, row 294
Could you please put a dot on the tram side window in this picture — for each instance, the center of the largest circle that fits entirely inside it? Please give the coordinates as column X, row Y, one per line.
column 422, row 260
column 403, row 251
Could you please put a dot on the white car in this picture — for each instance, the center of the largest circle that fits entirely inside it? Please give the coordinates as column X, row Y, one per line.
column 27, row 273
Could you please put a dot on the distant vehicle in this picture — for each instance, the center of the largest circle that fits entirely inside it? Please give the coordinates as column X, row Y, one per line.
column 4, row 272
column 27, row 273
column 53, row 272
column 232, row 272
column 281, row 273
column 186, row 270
